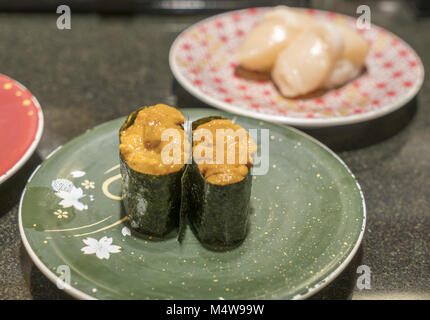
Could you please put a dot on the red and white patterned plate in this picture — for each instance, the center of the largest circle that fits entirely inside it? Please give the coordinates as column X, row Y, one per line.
column 21, row 126
column 202, row 59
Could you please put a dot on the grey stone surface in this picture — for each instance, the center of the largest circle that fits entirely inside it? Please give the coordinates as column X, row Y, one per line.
column 105, row 67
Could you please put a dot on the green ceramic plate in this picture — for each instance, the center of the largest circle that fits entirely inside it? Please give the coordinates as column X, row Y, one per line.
column 307, row 222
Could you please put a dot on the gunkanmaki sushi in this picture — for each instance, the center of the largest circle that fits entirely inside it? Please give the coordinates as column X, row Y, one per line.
column 217, row 185
column 151, row 178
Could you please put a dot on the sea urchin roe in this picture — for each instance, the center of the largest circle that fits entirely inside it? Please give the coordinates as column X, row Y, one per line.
column 237, row 146
column 142, row 145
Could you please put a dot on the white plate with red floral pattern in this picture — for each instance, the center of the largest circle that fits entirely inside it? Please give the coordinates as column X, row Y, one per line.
column 202, row 59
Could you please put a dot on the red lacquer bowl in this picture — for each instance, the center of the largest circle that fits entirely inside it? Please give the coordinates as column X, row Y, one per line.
column 21, row 126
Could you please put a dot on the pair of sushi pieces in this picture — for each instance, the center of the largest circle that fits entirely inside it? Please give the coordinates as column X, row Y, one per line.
column 303, row 53
column 162, row 196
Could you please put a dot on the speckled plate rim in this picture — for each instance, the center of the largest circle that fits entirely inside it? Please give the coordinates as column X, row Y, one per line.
column 76, row 293
column 294, row 121
column 35, row 142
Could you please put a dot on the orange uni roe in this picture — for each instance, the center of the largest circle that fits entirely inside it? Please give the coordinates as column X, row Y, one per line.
column 223, row 170
column 141, row 143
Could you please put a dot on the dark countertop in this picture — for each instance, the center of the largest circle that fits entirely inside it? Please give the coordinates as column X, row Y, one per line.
column 105, row 67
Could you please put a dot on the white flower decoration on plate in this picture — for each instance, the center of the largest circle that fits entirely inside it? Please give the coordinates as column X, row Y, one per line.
column 72, row 198
column 101, row 248
column 62, row 185
column 61, row 214
column 77, row 174
column 126, row 231
column 87, row 184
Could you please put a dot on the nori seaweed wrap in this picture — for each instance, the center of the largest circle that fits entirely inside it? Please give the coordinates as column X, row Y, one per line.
column 151, row 201
column 218, row 214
